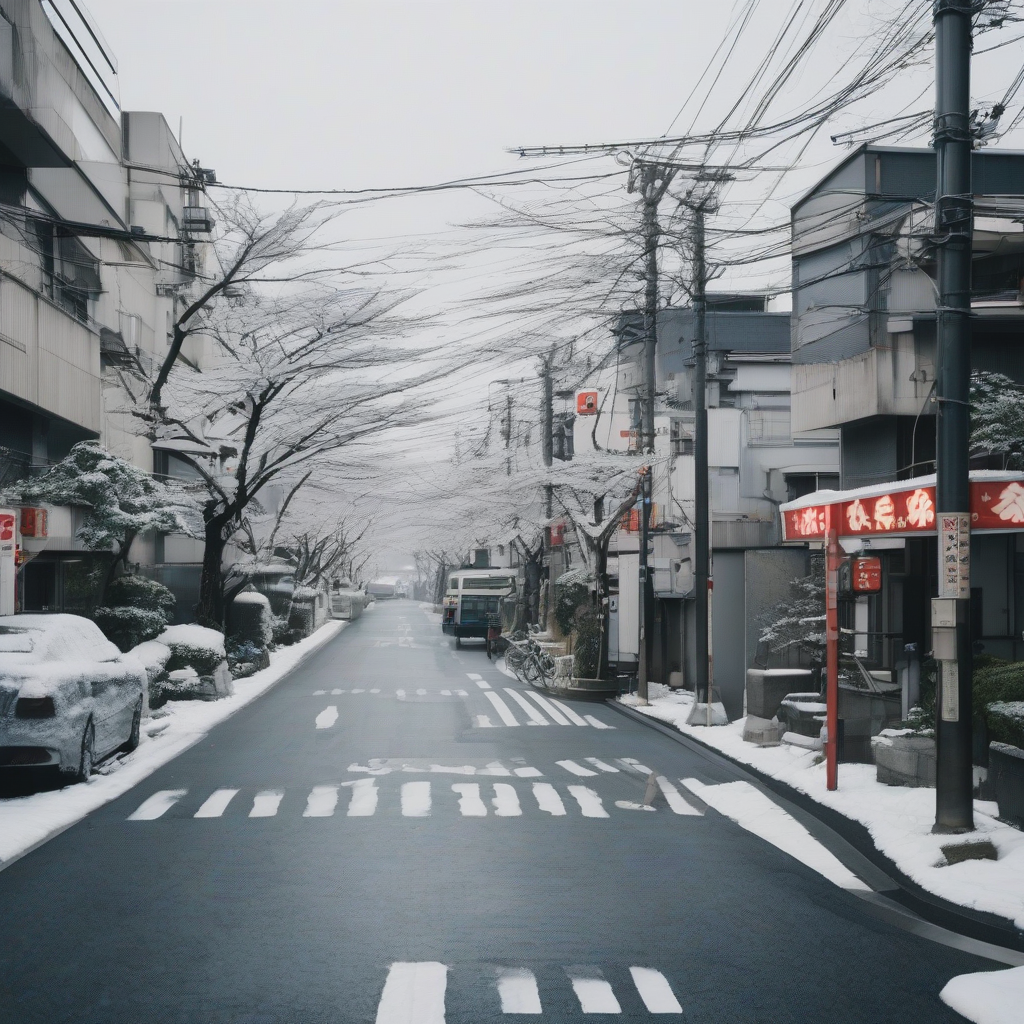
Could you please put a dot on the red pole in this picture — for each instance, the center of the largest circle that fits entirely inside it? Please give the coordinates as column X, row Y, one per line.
column 832, row 651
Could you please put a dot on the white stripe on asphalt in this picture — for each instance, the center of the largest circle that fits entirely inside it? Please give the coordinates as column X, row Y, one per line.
column 216, row 804
column 483, row 722
column 655, row 990
column 595, row 995
column 461, row 693
column 632, row 805
column 753, row 810
column 399, row 694
column 413, row 994
column 548, row 798
column 535, row 717
column 568, row 712
column 375, row 690
column 321, row 802
column 327, row 717
column 470, row 804
column 529, row 773
column 335, row 693
column 494, row 768
column 358, row 691
column 589, row 801
column 473, row 675
column 600, row 764
column 415, row 799
column 506, row 801
column 675, row 799
column 157, row 804
column 518, row 991
column 421, row 693
column 319, row 693
column 597, row 723
column 266, row 803
column 446, row 693
column 482, row 684
column 635, row 765
column 502, row 708
column 557, row 717
column 576, row 769
column 364, row 798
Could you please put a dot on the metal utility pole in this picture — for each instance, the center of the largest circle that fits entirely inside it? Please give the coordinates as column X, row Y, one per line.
column 954, row 806
column 547, row 451
column 507, row 431
column 646, row 589
column 701, row 526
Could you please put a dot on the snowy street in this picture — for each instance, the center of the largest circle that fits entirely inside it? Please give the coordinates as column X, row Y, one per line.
column 397, row 832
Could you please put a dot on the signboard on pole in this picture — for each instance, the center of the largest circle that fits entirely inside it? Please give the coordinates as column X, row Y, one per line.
column 8, row 560
column 955, row 555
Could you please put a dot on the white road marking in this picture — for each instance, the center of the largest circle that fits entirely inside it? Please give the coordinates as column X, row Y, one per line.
column 321, row 802
column 416, row 799
column 548, row 798
column 589, row 801
column 413, row 994
column 473, row 675
column 335, row 693
column 266, row 803
column 633, row 764
column 446, row 693
column 597, row 723
column 483, row 685
column 576, row 769
column 327, row 717
column 600, row 764
column 470, row 804
column 568, row 712
column 595, row 994
column 462, row 693
column 528, row 773
column 535, row 717
column 483, row 722
column 556, row 716
column 375, row 690
column 502, row 708
column 157, row 805
column 399, row 694
column 494, row 768
column 421, row 693
column 319, row 693
column 518, row 991
column 632, row 805
column 655, row 990
column 676, row 801
column 364, row 798
column 216, row 804
column 358, row 691
column 506, row 801
column 753, row 810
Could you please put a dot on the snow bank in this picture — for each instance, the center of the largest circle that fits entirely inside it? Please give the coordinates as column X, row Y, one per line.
column 27, row 822
column 191, row 635
column 989, row 997
column 898, row 819
column 153, row 655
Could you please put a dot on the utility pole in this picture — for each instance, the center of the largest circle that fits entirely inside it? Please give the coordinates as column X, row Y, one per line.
column 954, row 805
column 547, row 451
column 507, row 431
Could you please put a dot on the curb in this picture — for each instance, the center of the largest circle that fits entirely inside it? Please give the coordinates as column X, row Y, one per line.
column 981, row 925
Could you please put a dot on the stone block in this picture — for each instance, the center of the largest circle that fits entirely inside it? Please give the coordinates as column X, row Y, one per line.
column 904, row 760
column 766, row 688
column 762, row 731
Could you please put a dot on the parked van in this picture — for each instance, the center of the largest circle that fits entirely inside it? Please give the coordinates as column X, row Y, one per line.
column 472, row 601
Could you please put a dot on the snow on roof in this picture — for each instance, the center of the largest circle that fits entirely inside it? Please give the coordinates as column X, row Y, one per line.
column 56, row 638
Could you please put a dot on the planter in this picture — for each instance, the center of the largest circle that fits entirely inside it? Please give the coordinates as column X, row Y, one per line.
column 767, row 688
column 904, row 760
column 1006, row 777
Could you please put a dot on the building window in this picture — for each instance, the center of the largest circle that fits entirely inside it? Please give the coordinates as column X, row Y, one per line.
column 799, row 484
column 681, row 437
column 768, row 426
column 481, row 558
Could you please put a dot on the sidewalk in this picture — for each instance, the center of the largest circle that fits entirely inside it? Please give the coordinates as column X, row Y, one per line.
column 898, row 820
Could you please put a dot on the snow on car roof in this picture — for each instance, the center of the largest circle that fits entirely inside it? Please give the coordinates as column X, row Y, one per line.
column 54, row 638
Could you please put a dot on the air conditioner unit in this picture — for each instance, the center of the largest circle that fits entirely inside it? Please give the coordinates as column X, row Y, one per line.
column 197, row 219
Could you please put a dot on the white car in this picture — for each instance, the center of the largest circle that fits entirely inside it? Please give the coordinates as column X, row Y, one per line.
column 68, row 696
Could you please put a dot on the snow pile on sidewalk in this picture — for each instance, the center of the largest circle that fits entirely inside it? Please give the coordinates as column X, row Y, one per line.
column 989, row 997
column 899, row 819
column 26, row 822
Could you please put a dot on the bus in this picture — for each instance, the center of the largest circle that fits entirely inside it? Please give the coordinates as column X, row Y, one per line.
column 472, row 602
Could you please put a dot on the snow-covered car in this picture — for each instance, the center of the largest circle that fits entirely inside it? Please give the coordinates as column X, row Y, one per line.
column 68, row 696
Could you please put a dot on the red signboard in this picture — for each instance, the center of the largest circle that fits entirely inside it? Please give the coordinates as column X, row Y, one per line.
column 33, row 522
column 557, row 535
column 586, row 403
column 866, row 575
column 6, row 526
column 995, row 505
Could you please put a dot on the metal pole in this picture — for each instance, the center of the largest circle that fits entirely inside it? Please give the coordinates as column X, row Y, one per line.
column 831, row 650
column 954, row 805
column 651, row 195
column 643, row 665
column 547, row 451
column 701, row 518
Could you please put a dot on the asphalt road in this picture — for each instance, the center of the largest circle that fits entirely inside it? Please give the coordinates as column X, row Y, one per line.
column 309, row 896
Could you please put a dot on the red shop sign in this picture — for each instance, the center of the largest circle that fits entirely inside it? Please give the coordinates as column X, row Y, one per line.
column 866, row 575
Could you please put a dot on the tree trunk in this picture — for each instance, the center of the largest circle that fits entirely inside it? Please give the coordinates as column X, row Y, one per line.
column 210, row 610
column 120, row 559
column 601, row 565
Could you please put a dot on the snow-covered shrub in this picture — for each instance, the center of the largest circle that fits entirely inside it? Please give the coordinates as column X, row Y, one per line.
column 138, row 609
column 998, row 698
column 250, row 632
column 153, row 656
column 194, row 647
column 181, row 684
column 586, row 647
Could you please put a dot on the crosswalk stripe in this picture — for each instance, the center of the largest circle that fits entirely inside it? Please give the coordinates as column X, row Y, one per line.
column 482, row 684
column 483, row 722
column 655, row 990
column 595, row 994
column 157, row 805
column 375, row 690
column 576, row 769
column 419, row 693
column 535, row 717
column 336, row 693
column 446, row 693
column 413, row 994
column 517, row 989
column 597, row 723
column 470, row 804
column 364, row 798
column 321, row 802
column 676, row 801
column 557, row 717
column 600, row 764
column 216, row 804
column 548, row 799
column 416, row 799
column 502, row 708
column 528, row 773
column 635, row 765
column 399, row 694
column 266, row 803
column 327, row 717
column 359, row 691
column 568, row 712
column 506, row 801
column 589, row 801
column 461, row 693
column 473, row 675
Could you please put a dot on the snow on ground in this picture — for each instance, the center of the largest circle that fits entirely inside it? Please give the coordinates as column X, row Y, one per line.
column 989, row 997
column 898, row 818
column 28, row 821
